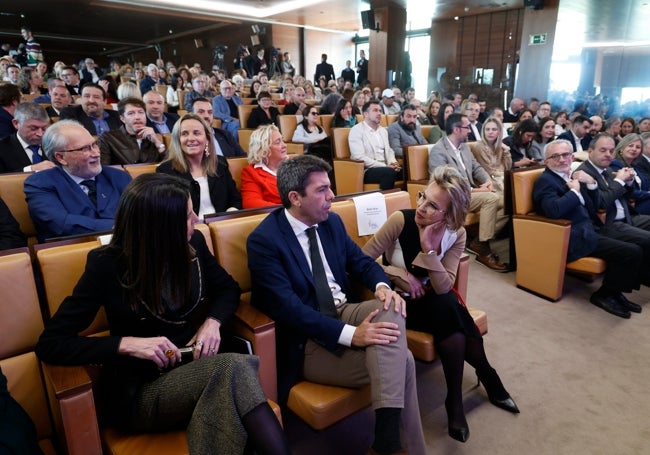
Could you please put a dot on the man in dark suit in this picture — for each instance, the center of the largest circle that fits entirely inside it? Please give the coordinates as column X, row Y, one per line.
column 300, row 257
column 579, row 128
column 324, row 69
column 642, row 165
column 9, row 98
column 60, row 99
column 161, row 121
column 78, row 195
column 91, row 73
column 91, row 113
column 224, row 142
column 10, row 234
column 21, row 151
column 559, row 194
column 70, row 76
column 472, row 111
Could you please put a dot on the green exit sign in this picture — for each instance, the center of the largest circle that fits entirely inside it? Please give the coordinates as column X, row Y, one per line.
column 537, row 39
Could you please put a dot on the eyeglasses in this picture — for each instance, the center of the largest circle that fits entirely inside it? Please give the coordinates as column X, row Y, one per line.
column 314, row 113
column 557, row 156
column 430, row 205
column 86, row 148
column 464, row 127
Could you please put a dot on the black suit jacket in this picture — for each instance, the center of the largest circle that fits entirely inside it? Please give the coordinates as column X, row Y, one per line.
column 608, row 193
column 86, row 77
column 324, row 69
column 77, row 113
column 10, row 234
column 51, row 112
column 170, row 120
column 229, row 146
column 554, row 199
column 13, row 157
column 568, row 136
column 471, row 137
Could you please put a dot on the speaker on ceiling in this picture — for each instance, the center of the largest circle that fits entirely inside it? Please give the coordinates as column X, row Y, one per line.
column 368, row 19
column 534, row 4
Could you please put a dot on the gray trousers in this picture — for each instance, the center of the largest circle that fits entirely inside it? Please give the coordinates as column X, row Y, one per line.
column 209, row 396
column 389, row 368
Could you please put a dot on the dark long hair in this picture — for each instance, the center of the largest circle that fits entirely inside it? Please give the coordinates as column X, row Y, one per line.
column 305, row 121
column 151, row 239
column 441, row 115
column 527, row 126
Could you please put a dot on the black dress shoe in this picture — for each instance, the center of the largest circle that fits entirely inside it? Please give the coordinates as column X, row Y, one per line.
column 459, row 434
column 508, row 404
column 609, row 304
column 625, row 303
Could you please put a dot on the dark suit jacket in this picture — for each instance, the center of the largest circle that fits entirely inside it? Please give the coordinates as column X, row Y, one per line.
column 554, row 199
column 642, row 167
column 471, row 137
column 58, row 206
column 6, row 125
column 85, row 77
column 258, row 117
column 607, row 194
column 170, row 120
column 10, row 234
column 229, row 146
column 51, row 112
column 13, row 157
column 71, row 88
column 223, row 191
column 568, row 136
column 77, row 113
column 283, row 286
column 324, row 69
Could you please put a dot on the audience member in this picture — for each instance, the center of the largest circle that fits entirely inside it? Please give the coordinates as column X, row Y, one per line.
column 31, row 82
column 438, row 130
column 157, row 118
column 348, row 73
column 322, row 335
column 453, row 151
column 91, row 73
column 21, row 152
column 78, row 195
column 258, row 180
column 421, row 250
column 405, row 131
column 225, row 108
column 10, row 234
column 297, row 104
column 199, row 90
column 33, row 50
column 521, row 143
column 265, row 113
column 224, row 143
column 343, row 115
column 193, row 158
column 91, row 113
column 545, row 135
column 70, row 76
column 579, row 128
column 471, row 110
column 494, row 156
column 324, row 69
column 134, row 142
column 613, row 128
column 313, row 137
column 627, row 126
column 150, row 80
column 12, row 74
column 388, row 103
column 369, row 143
column 512, row 114
column 558, row 193
column 161, row 289
column 628, row 154
column 128, row 90
column 543, row 111
column 9, row 99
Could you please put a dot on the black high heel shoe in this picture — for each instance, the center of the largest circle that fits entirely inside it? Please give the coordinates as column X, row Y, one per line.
column 460, row 433
column 494, row 387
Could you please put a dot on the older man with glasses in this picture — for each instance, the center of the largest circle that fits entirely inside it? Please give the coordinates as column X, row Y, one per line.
column 78, row 195
column 559, row 193
column 225, row 108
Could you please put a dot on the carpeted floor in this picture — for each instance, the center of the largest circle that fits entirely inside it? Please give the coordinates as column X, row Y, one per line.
column 578, row 374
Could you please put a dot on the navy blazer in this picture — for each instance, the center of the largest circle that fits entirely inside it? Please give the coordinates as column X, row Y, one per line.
column 283, row 286
column 229, row 146
column 13, row 157
column 77, row 113
column 607, row 194
column 58, row 206
column 554, row 199
column 568, row 136
column 170, row 120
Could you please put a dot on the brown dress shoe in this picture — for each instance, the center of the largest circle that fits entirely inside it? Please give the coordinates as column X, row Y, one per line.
column 479, row 248
column 492, row 261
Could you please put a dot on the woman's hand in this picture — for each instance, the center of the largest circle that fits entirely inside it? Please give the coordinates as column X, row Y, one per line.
column 207, row 339
column 416, row 289
column 431, row 235
column 159, row 350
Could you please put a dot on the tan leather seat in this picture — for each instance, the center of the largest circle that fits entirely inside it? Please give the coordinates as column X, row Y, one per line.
column 244, row 135
column 288, row 124
column 236, row 166
column 61, row 267
column 135, row 170
column 244, row 111
column 12, row 193
column 541, row 243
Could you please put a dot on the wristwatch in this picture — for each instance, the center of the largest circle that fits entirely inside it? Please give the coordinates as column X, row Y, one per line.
column 430, row 252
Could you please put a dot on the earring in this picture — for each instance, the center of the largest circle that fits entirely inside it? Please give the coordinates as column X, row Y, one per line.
column 206, row 152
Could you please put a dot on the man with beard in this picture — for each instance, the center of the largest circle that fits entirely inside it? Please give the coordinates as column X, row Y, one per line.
column 78, row 195
column 134, row 142
column 91, row 113
column 406, row 131
column 452, row 150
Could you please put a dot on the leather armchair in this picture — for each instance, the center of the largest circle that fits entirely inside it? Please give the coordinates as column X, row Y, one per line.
column 541, row 243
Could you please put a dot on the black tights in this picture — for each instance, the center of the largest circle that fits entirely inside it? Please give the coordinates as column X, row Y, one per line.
column 453, row 352
column 265, row 435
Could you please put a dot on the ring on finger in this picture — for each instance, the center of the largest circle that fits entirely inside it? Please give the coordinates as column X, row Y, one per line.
column 199, row 343
column 169, row 353
column 211, row 350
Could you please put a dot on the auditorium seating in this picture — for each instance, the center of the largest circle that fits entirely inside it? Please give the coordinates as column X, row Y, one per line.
column 11, row 192
column 541, row 244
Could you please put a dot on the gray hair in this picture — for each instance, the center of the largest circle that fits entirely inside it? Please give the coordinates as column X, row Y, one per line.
column 551, row 145
column 30, row 111
column 54, row 140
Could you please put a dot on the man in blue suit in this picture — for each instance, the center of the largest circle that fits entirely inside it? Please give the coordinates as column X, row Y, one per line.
column 78, row 195
column 225, row 108
column 300, row 257
column 559, row 194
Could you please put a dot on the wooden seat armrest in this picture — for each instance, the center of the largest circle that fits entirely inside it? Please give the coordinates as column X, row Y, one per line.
column 543, row 219
column 259, row 329
column 72, row 387
column 348, row 160
column 418, row 182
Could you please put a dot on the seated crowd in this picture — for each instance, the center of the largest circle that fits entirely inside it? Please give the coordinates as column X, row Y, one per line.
column 80, row 129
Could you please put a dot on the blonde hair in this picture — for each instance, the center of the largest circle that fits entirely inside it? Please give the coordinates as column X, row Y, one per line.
column 178, row 158
column 449, row 179
column 259, row 146
column 624, row 142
